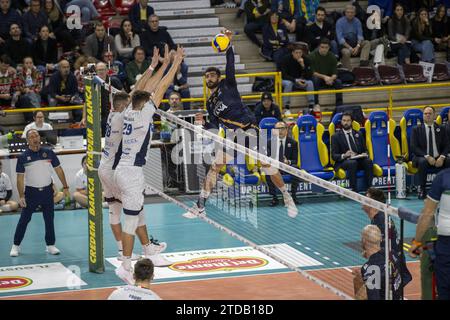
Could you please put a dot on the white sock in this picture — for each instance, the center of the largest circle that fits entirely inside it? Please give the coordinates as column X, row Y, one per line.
column 126, row 263
column 146, row 248
column 119, row 245
column 204, row 194
column 5, row 208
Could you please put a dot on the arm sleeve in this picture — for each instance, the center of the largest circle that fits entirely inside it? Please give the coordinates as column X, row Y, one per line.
column 53, row 86
column 54, row 158
column 230, row 71
column 285, row 71
column 20, row 168
column 437, row 188
column 8, row 195
column 340, row 33
column 335, row 149
column 415, row 150
column 213, row 122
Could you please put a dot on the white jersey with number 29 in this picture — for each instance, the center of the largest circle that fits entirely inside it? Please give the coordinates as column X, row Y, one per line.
column 113, row 138
column 136, row 135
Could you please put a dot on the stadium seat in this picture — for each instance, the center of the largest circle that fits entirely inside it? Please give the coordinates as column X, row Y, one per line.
column 365, row 76
column 442, row 118
column 440, row 72
column 123, row 6
column 313, row 153
column 414, row 73
column 409, row 120
column 105, row 8
column 335, row 125
column 377, row 142
column 389, row 75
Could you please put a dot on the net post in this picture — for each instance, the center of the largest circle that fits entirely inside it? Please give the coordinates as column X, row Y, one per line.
column 95, row 210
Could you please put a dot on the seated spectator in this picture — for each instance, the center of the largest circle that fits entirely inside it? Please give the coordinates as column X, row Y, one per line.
column 136, row 67
column 348, row 149
column 58, row 26
column 286, row 152
column 82, row 61
column 349, row 35
column 321, row 29
column 174, row 102
column 99, row 42
column 399, row 30
column 266, row 108
column 139, row 14
column 16, row 46
column 126, row 40
column 440, row 25
column 81, row 194
column 102, row 72
column 447, row 130
column 6, row 205
column 385, row 6
column 8, row 16
column 88, row 10
column 289, row 12
column 422, row 36
column 39, row 123
column 115, row 67
column 275, row 40
column 257, row 13
column 45, row 51
column 7, row 81
column 156, row 36
column 296, row 74
column 364, row 279
column 180, row 83
column 429, row 148
column 29, row 87
column 33, row 20
column 62, row 89
column 324, row 68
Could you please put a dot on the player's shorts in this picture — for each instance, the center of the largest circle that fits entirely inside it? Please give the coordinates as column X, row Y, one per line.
column 109, row 185
column 248, row 137
column 131, row 184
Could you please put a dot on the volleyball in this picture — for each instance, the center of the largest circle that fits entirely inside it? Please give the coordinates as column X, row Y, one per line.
column 220, row 43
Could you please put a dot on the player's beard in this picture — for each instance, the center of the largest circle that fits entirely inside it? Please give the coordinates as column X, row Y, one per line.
column 212, row 85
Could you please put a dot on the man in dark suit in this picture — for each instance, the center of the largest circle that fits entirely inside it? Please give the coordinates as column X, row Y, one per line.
column 348, row 149
column 429, row 148
column 286, row 152
column 139, row 14
column 447, row 130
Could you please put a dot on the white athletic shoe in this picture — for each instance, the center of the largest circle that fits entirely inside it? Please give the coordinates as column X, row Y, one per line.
column 159, row 261
column 155, row 247
column 15, row 251
column 53, row 250
column 125, row 275
column 134, row 256
column 291, row 207
column 195, row 212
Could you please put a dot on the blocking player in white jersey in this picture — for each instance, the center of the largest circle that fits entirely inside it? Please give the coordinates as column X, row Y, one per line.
column 143, row 275
column 129, row 176
column 110, row 157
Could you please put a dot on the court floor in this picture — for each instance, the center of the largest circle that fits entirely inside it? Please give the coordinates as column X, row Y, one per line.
column 207, row 262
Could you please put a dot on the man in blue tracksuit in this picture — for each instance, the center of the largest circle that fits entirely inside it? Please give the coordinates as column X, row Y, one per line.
column 35, row 187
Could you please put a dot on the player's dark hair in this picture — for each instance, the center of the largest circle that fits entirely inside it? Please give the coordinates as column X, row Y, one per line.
column 321, row 9
column 431, row 107
column 376, row 194
column 139, row 97
column 348, row 114
column 212, row 69
column 120, row 97
column 143, row 270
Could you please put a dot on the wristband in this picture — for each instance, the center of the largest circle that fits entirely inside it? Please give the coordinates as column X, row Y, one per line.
column 151, row 68
column 417, row 243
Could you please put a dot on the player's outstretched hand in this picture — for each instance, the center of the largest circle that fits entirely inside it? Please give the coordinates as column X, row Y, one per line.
column 228, row 33
column 179, row 55
column 155, row 58
column 166, row 60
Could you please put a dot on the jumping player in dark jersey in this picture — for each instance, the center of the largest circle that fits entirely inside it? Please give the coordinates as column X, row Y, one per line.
column 225, row 108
